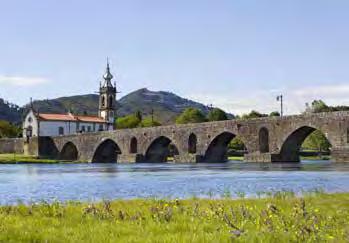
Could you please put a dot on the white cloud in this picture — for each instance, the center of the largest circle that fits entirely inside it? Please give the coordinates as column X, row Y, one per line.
column 21, row 81
column 265, row 100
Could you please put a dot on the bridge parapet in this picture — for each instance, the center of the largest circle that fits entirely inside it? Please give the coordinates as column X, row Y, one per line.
column 266, row 139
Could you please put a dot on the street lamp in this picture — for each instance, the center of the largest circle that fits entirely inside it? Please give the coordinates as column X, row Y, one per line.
column 280, row 98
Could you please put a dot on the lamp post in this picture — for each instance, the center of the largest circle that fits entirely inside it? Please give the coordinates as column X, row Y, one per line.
column 280, row 98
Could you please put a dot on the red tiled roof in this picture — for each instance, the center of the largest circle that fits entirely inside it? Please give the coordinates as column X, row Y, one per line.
column 90, row 119
column 56, row 117
column 70, row 117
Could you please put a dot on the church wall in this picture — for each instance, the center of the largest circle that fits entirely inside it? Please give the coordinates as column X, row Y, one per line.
column 51, row 128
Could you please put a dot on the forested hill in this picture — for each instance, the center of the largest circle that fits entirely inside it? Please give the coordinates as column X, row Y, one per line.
column 166, row 105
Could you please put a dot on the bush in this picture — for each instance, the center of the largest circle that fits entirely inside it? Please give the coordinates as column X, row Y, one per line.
column 191, row 115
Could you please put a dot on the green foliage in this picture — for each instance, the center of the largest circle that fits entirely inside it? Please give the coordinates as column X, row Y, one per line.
column 281, row 217
column 320, row 106
column 274, row 113
column 149, row 122
column 217, row 114
column 236, row 144
column 253, row 114
column 316, row 141
column 136, row 120
column 130, row 121
column 7, row 130
column 191, row 115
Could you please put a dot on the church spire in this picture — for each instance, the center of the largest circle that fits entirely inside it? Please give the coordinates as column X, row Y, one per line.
column 107, row 76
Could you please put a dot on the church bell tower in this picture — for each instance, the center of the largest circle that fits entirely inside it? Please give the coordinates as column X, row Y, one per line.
column 107, row 99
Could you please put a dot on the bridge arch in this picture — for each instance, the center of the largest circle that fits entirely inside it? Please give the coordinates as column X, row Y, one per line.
column 218, row 147
column 106, row 152
column 291, row 146
column 263, row 140
column 133, row 145
column 160, row 150
column 192, row 143
column 69, row 152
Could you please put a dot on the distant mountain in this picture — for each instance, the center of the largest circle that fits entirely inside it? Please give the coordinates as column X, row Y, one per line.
column 166, row 106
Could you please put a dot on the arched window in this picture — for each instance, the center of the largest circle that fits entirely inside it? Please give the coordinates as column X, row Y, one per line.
column 103, row 101
column 111, row 101
column 264, row 140
column 192, row 143
column 60, row 131
column 133, row 146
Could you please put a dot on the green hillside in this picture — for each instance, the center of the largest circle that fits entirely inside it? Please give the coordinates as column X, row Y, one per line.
column 166, row 105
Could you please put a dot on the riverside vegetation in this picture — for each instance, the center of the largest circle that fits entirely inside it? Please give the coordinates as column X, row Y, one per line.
column 281, row 217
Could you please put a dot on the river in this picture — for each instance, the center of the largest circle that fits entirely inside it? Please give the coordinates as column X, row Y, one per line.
column 30, row 183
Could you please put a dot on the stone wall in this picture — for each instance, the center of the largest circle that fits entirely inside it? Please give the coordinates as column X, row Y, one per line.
column 282, row 139
column 11, row 145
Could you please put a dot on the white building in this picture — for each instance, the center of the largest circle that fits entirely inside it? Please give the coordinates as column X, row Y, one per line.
column 43, row 124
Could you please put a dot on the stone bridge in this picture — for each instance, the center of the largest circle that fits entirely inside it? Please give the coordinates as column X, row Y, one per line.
column 270, row 139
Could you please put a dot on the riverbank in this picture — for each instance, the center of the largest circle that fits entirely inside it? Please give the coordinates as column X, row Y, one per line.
column 20, row 158
column 281, row 218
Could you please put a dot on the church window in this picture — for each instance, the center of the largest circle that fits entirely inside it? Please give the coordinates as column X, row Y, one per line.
column 30, row 119
column 103, row 101
column 61, row 131
column 110, row 101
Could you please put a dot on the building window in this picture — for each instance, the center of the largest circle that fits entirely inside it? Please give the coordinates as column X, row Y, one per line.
column 83, row 128
column 60, row 131
column 110, row 101
column 103, row 101
column 100, row 127
column 89, row 129
column 30, row 119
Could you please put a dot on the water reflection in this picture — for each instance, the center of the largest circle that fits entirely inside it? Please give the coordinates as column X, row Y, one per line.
column 109, row 181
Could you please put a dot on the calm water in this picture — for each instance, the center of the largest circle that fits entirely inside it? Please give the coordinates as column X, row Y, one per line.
column 90, row 182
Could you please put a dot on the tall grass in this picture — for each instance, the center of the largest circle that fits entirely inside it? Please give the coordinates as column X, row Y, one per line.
column 282, row 218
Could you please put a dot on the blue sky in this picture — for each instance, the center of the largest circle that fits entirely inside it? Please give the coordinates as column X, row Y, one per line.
column 237, row 55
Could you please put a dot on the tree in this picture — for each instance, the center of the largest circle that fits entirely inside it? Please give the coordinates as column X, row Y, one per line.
column 317, row 141
column 319, row 106
column 149, row 122
column 253, row 114
column 138, row 114
column 217, row 114
column 130, row 121
column 236, row 144
column 274, row 113
column 191, row 115
column 7, row 130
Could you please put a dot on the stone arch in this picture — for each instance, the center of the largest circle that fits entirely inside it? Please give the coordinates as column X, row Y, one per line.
column 69, row 152
column 263, row 140
column 160, row 149
column 106, row 152
column 291, row 146
column 192, row 143
column 133, row 145
column 218, row 147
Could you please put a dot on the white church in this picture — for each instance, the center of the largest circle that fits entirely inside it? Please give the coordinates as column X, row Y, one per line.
column 37, row 124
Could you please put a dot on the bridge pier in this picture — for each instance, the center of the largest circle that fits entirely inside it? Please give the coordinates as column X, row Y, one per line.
column 130, row 158
column 187, row 158
column 340, row 155
column 259, row 157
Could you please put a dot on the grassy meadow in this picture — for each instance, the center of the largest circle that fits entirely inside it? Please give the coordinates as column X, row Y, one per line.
column 280, row 218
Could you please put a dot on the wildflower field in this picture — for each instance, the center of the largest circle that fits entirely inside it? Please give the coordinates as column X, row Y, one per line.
column 282, row 217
